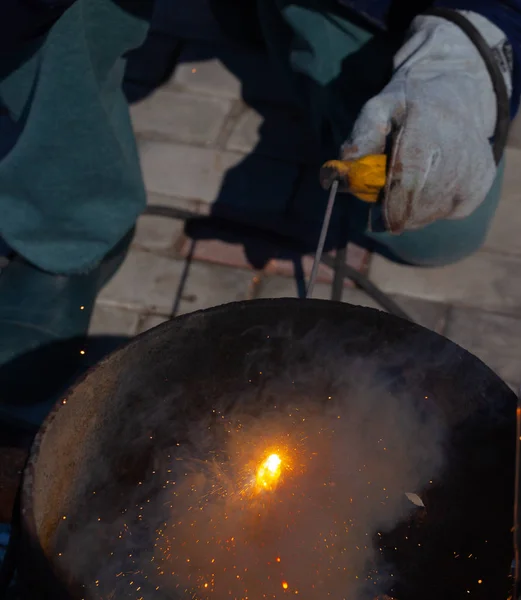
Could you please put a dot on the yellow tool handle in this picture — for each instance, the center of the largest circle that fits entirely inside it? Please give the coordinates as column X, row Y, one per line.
column 363, row 177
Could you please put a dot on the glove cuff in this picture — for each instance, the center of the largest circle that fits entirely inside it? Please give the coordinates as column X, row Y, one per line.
column 490, row 58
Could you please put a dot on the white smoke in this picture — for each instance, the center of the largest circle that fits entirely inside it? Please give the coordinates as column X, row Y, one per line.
column 353, row 455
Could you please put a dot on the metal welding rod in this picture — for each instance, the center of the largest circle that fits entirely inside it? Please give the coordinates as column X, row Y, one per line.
column 363, row 177
column 322, row 239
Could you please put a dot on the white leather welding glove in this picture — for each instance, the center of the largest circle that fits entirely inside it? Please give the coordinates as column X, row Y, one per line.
column 440, row 111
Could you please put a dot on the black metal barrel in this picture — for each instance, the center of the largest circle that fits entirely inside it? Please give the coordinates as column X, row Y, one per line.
column 103, row 440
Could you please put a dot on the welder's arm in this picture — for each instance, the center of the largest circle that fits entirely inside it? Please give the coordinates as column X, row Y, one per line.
column 439, row 114
column 506, row 15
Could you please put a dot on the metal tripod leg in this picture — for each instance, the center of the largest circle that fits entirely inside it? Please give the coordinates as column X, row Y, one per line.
column 338, row 278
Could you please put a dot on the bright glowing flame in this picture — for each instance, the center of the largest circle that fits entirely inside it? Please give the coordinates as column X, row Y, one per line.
column 269, row 471
column 285, row 585
column 273, row 463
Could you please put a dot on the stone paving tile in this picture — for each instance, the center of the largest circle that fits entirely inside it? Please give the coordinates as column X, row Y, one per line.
column 257, row 184
column 432, row 315
column 112, row 320
column 200, row 71
column 210, row 285
column 286, row 268
column 484, row 280
column 276, row 286
column 218, row 70
column 185, row 171
column 429, row 314
column 215, row 251
column 246, row 133
column 274, row 131
column 356, row 257
column 149, row 321
column 504, row 235
column 359, row 298
column 144, row 282
column 236, row 255
column 181, row 117
column 170, row 201
column 157, row 233
column 496, row 339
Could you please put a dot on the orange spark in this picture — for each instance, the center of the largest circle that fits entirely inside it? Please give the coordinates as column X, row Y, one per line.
column 285, row 585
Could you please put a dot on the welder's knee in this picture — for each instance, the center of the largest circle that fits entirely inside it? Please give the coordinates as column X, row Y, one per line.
column 444, row 242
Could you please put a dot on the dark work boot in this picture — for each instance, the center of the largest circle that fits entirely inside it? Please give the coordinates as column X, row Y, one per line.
column 44, row 319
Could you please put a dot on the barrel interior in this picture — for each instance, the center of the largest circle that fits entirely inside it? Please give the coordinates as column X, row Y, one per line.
column 184, row 404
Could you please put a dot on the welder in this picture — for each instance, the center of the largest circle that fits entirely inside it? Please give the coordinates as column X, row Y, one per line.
column 428, row 87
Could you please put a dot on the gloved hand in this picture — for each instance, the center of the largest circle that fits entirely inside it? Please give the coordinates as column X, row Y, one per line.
column 439, row 110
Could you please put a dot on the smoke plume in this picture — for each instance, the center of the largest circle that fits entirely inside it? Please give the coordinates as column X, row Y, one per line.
column 355, row 458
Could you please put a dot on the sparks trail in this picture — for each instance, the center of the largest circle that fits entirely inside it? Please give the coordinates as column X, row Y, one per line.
column 286, row 503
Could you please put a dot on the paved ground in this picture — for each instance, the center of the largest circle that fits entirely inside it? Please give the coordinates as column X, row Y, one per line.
column 212, row 118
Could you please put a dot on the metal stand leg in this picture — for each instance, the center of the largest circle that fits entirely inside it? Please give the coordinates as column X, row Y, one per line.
column 344, row 270
column 338, row 279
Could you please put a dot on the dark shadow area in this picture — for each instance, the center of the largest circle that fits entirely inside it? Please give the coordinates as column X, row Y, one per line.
column 31, row 384
column 273, row 194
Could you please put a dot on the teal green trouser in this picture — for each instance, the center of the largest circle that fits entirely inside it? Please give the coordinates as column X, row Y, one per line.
column 336, row 65
column 71, row 186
